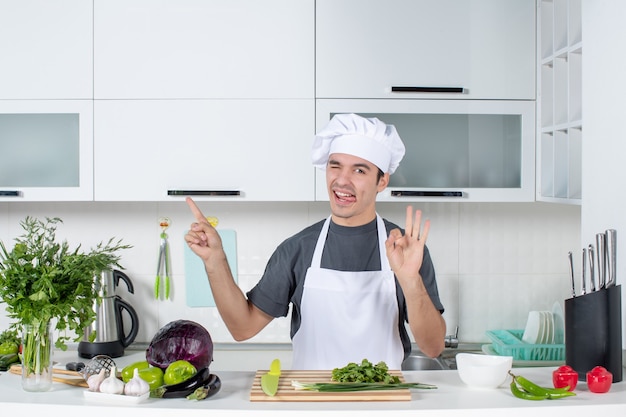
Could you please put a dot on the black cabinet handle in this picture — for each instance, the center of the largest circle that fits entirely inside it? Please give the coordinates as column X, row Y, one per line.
column 10, row 193
column 400, row 89
column 214, row 193
column 405, row 193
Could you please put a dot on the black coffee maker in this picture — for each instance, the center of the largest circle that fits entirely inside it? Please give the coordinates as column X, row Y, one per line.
column 110, row 335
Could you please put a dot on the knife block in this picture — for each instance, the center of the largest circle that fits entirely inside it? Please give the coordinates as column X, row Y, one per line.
column 593, row 332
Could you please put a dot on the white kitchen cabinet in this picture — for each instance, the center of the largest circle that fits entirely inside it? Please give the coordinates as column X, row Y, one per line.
column 559, row 102
column 46, row 49
column 150, row 49
column 456, row 150
column 486, row 48
column 46, row 150
column 226, row 150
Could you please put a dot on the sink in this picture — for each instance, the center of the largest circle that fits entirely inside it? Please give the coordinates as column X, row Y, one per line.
column 417, row 361
column 424, row 363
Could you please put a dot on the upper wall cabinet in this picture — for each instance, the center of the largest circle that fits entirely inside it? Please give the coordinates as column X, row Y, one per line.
column 425, row 49
column 46, row 49
column 203, row 49
column 46, row 150
column 456, row 150
column 222, row 150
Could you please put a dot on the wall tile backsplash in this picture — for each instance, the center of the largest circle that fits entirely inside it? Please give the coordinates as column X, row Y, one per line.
column 494, row 261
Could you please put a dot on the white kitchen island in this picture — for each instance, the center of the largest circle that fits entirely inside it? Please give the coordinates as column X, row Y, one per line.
column 451, row 398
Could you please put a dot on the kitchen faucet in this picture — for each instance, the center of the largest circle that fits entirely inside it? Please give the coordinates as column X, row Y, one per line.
column 452, row 341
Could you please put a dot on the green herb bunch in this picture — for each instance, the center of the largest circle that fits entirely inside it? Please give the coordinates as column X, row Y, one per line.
column 42, row 280
column 364, row 372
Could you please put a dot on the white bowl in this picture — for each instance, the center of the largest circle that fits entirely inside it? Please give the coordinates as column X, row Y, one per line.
column 483, row 371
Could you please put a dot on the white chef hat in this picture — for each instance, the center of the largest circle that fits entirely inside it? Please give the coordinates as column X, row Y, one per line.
column 366, row 138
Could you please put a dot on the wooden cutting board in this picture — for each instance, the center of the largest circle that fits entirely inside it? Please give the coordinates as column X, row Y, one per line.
column 77, row 381
column 288, row 393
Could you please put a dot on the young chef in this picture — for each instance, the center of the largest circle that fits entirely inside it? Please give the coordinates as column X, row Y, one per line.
column 353, row 279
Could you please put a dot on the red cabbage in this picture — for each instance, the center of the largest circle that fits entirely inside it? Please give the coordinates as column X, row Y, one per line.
column 180, row 340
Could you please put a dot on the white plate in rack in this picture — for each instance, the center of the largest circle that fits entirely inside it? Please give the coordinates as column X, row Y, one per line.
column 534, row 327
column 559, row 323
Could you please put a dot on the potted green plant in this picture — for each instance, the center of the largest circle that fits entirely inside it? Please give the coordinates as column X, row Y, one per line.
column 47, row 285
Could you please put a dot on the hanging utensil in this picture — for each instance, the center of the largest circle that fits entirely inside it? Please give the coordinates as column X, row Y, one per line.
column 601, row 257
column 592, row 269
column 163, row 265
column 571, row 272
column 611, row 257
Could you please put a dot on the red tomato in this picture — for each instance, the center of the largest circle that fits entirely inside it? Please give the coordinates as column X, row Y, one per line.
column 599, row 380
column 565, row 376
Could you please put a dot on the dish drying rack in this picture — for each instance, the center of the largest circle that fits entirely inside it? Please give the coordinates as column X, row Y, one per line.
column 510, row 343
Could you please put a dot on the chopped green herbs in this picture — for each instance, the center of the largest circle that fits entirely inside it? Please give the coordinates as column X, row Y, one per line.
column 365, row 372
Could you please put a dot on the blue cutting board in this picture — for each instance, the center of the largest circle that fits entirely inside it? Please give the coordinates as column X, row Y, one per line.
column 196, row 282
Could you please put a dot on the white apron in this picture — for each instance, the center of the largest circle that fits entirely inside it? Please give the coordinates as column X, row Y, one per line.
column 348, row 316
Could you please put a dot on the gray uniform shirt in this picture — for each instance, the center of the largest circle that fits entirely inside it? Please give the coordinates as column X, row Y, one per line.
column 346, row 249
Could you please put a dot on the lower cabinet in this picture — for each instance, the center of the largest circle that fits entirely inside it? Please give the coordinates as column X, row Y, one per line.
column 223, row 150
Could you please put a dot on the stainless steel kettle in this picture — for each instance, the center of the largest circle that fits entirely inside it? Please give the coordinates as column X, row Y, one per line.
column 110, row 335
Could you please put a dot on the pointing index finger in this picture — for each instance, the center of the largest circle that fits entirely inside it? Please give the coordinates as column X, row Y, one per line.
column 196, row 211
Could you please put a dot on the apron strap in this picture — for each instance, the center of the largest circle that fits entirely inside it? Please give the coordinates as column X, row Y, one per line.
column 316, row 261
column 382, row 238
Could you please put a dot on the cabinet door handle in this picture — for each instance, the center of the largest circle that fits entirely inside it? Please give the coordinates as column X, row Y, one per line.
column 209, row 193
column 10, row 193
column 401, row 89
column 407, row 193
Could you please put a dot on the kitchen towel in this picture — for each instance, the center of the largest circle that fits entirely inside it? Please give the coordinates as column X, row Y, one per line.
column 198, row 290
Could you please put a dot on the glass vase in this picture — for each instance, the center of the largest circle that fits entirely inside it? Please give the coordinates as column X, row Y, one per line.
column 37, row 356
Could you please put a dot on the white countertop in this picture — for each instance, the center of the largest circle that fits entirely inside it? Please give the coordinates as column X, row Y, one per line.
column 451, row 398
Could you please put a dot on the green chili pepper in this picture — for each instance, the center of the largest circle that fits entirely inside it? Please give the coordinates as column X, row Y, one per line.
column 525, row 395
column 528, row 390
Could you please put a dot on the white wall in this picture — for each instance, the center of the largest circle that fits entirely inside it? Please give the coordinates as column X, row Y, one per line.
column 495, row 262
column 604, row 111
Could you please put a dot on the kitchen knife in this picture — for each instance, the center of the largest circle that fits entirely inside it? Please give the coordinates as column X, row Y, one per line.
column 592, row 269
column 601, row 256
column 584, row 273
column 611, row 254
column 269, row 380
column 571, row 272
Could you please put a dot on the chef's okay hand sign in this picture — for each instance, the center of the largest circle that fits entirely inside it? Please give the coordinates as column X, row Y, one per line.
column 202, row 238
column 406, row 253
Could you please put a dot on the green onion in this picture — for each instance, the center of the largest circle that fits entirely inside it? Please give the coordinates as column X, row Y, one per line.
column 357, row 386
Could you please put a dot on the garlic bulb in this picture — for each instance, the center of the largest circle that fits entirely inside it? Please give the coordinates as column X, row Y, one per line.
column 94, row 381
column 136, row 386
column 112, row 385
